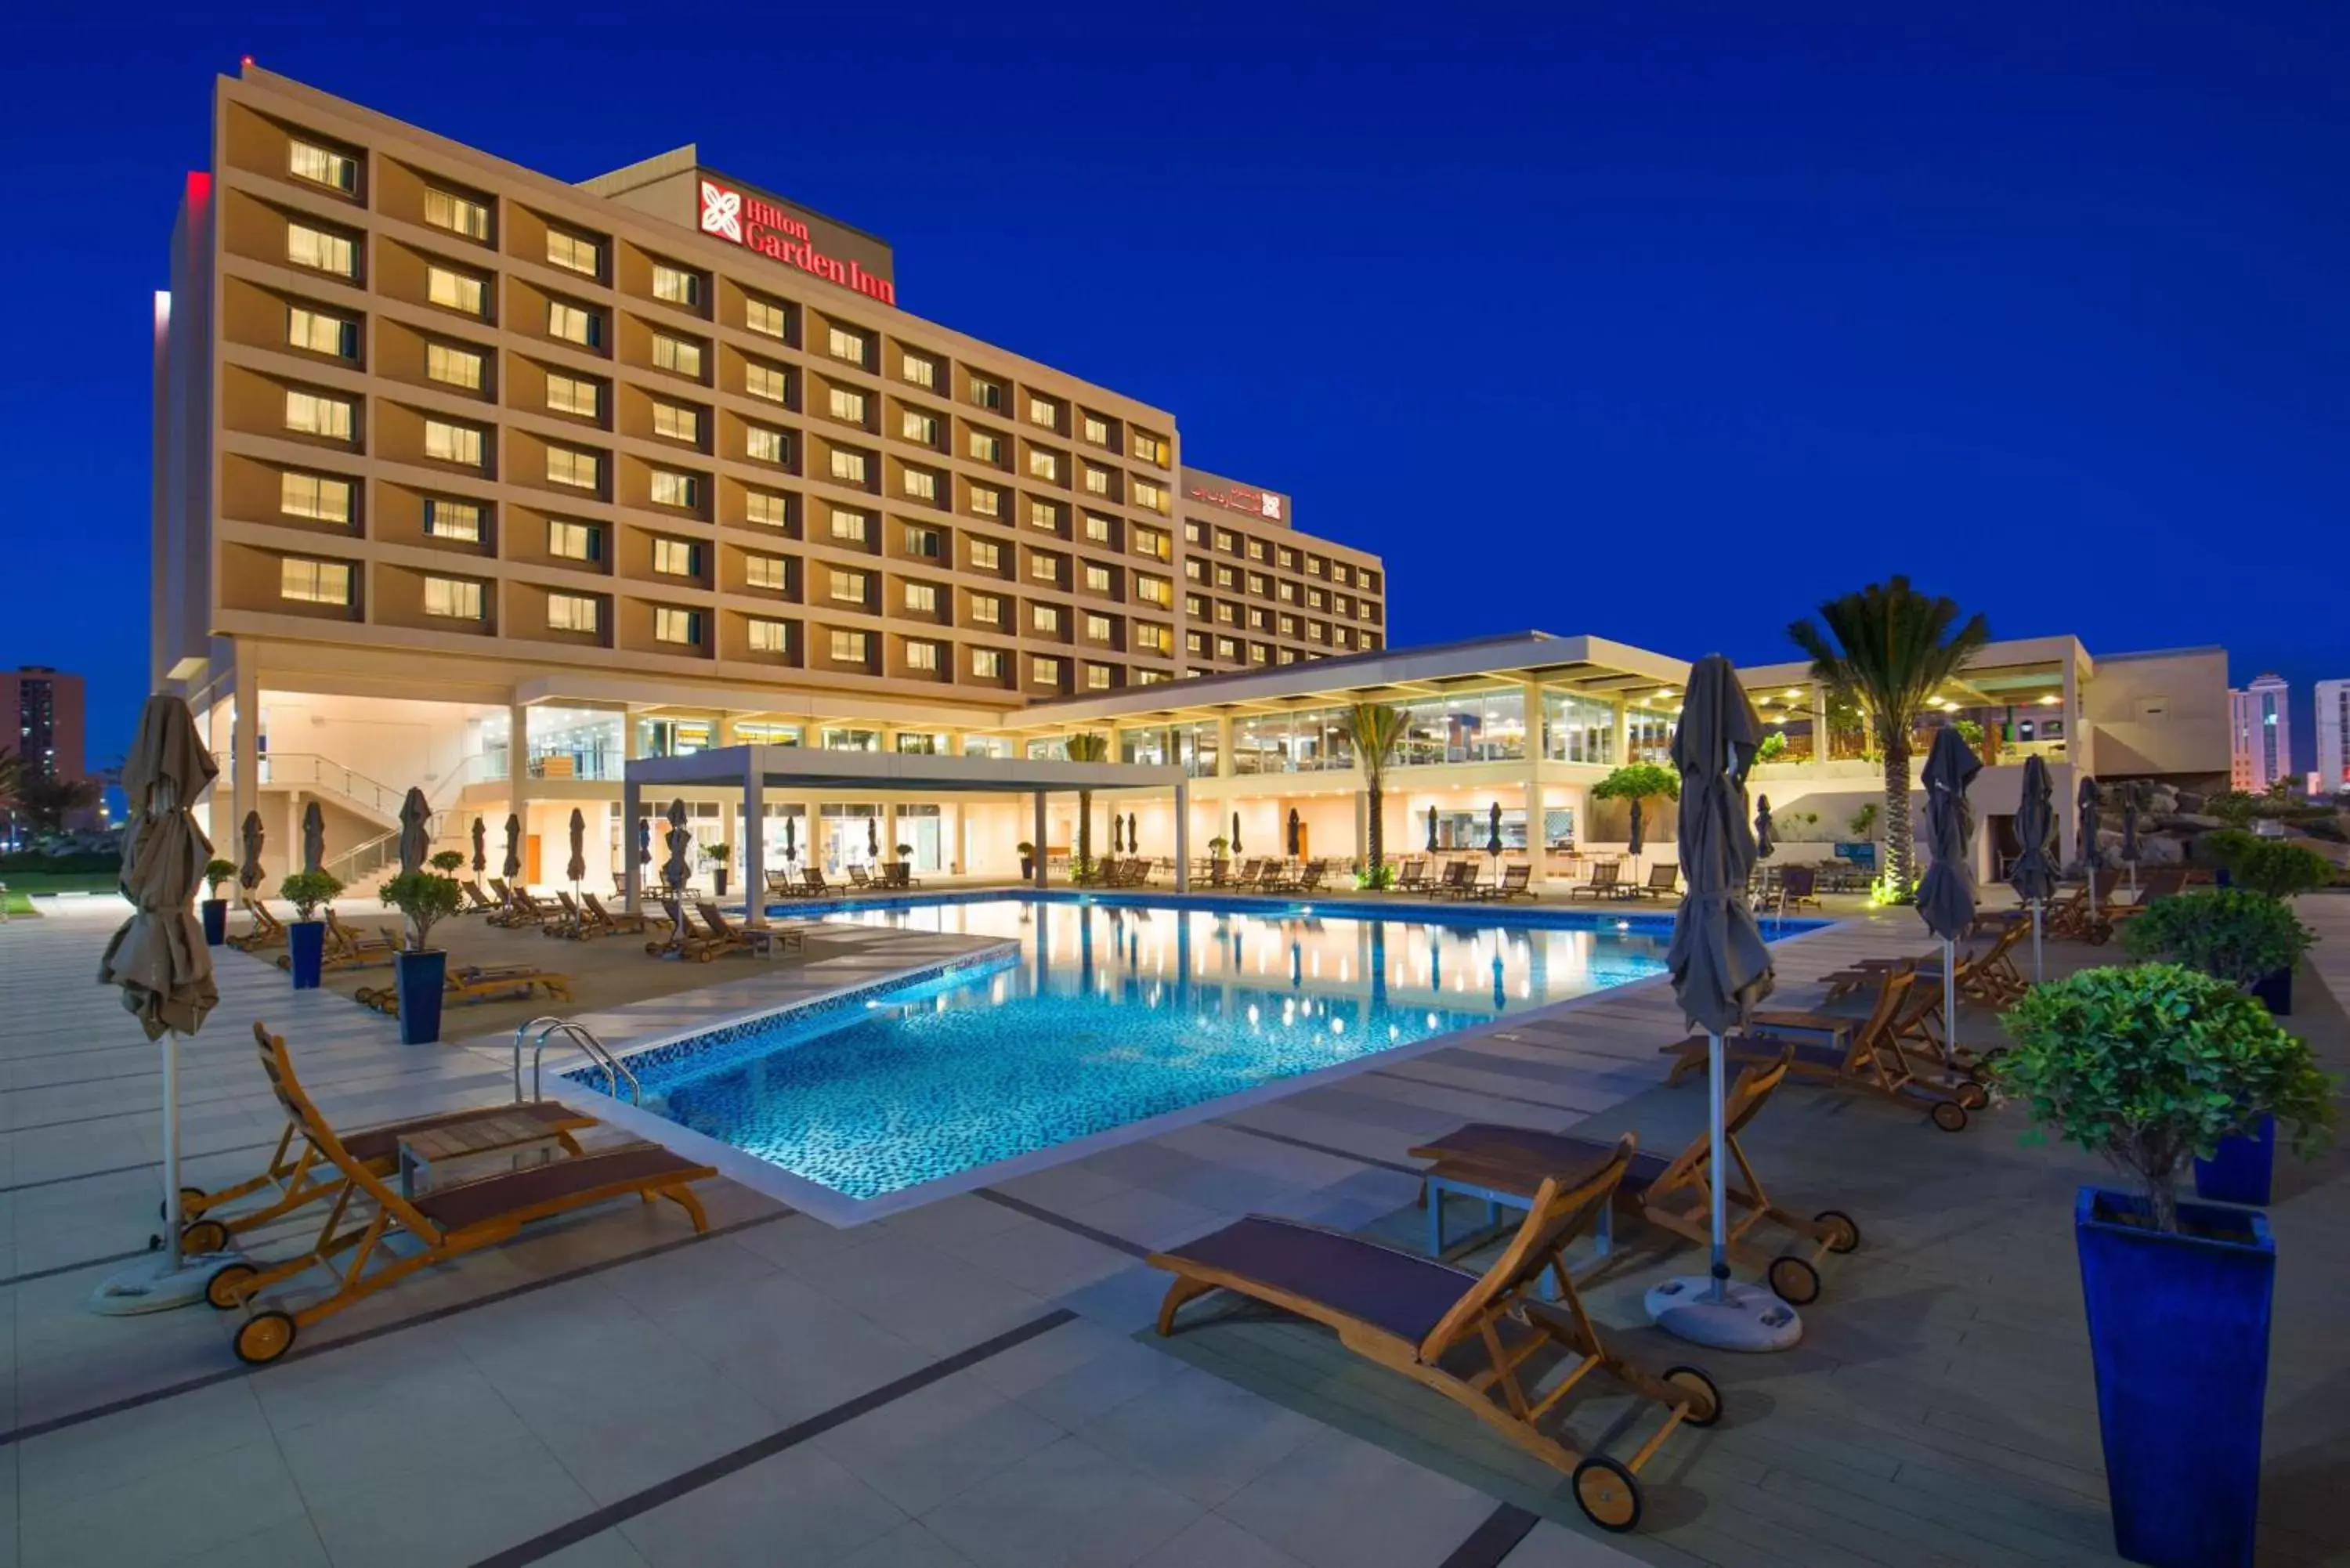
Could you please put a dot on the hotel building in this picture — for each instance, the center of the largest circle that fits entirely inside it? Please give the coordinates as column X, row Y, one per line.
column 2261, row 734
column 2333, row 731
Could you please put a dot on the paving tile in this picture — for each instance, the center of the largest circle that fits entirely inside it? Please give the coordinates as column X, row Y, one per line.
column 1068, row 1505
column 1215, row 1542
column 1201, row 1436
column 799, row 1506
column 203, row 1501
column 292, row 1543
column 454, row 1505
column 932, row 1443
column 1340, row 1502
column 1076, row 1371
column 1549, row 1545
column 910, row 1545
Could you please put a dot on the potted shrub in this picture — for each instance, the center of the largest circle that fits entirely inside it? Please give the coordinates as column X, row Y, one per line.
column 420, row 970
column 1027, row 860
column 2236, row 934
column 2277, row 866
column 718, row 854
column 449, row 862
column 217, row 875
column 306, row 934
column 2150, row 1065
column 1219, row 859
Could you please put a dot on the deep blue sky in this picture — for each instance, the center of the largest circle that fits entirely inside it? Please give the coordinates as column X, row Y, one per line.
column 1657, row 322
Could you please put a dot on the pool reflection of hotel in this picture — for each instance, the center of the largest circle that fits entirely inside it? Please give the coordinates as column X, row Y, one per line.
column 473, row 479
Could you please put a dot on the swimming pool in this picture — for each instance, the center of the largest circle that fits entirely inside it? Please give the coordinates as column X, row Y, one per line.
column 1118, row 1009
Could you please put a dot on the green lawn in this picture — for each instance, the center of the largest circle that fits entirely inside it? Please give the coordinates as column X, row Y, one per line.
column 57, row 882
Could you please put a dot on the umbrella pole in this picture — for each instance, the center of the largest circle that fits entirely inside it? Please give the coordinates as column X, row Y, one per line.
column 1721, row 1173
column 2037, row 904
column 1949, row 1002
column 172, row 1150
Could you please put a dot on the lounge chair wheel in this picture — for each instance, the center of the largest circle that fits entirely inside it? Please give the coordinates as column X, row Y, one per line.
column 222, row 1291
column 203, row 1236
column 1844, row 1231
column 1608, row 1494
column 191, row 1203
column 266, row 1337
column 1705, row 1399
column 1971, row 1094
column 1793, row 1280
column 1949, row 1116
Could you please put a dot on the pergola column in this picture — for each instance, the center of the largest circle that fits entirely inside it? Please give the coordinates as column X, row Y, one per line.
column 518, row 777
column 244, row 744
column 632, row 870
column 1182, row 837
column 1819, row 727
column 755, row 852
column 1038, row 866
column 1537, row 840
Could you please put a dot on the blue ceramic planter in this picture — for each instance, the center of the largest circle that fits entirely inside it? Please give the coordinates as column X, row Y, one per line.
column 2275, row 990
column 419, row 977
column 306, row 949
column 2178, row 1330
column 215, row 914
column 2239, row 1171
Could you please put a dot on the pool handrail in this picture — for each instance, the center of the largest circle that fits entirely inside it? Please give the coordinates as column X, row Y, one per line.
column 578, row 1033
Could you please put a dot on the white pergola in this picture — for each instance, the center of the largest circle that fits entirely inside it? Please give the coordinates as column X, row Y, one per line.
column 758, row 769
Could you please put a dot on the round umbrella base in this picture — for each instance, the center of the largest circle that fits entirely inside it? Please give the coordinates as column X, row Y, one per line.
column 153, row 1286
column 1746, row 1318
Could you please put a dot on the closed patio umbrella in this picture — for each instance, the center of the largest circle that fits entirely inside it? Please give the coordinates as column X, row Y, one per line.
column 576, row 867
column 1639, row 820
column 1494, row 830
column 1946, row 899
column 313, row 838
column 481, row 855
column 1236, row 835
column 158, row 961
column 2033, row 875
column 676, row 870
column 1117, row 834
column 644, row 841
column 791, row 839
column 2129, row 793
column 1764, row 830
column 1431, row 830
column 415, row 832
column 2087, row 801
column 1721, row 968
column 1296, row 833
column 1133, row 837
column 514, row 847
column 249, row 876
column 873, row 838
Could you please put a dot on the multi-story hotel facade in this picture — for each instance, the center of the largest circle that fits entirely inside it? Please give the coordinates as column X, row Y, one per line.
column 2261, row 733
column 2332, row 713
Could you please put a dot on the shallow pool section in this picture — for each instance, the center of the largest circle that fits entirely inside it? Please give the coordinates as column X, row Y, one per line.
column 1116, row 1009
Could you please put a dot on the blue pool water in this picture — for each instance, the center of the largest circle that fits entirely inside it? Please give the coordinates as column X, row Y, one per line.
column 1116, row 1009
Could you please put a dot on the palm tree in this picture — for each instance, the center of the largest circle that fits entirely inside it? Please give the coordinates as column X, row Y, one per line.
column 1090, row 748
column 1890, row 648
column 1374, row 730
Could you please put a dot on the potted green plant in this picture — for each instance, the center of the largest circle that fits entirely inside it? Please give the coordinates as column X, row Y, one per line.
column 2150, row 1065
column 1773, row 748
column 420, row 970
column 449, row 862
column 1219, row 860
column 306, row 934
column 718, row 854
column 2236, row 934
column 1027, row 860
column 2277, row 866
column 217, row 875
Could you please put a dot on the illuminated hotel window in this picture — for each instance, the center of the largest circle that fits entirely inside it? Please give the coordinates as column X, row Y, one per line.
column 849, row 467
column 848, row 525
column 1045, row 515
column 986, row 447
column 1190, row 532
column 570, row 395
column 452, row 597
column 1288, row 626
column 1288, row 656
column 986, row 501
column 1257, row 583
column 1154, row 591
column 447, row 210
column 844, row 344
column 1317, row 567
column 1097, row 431
column 315, row 495
column 921, row 656
column 922, row 598
column 1256, row 653
column 1316, row 631
column 1340, row 573
column 1225, row 578
column 574, row 324
column 1149, row 677
column 677, row 355
column 1194, row 643
column 986, row 609
column 1226, row 649
column 446, row 442
column 1286, row 559
column 766, row 508
column 765, row 316
column 920, row 368
column 1098, row 528
column 677, row 625
column 577, row 469
column 676, row 286
column 917, row 426
column 323, row 167
column 1342, row 636
column 675, row 489
column 764, row 571
column 1286, row 592
column 676, row 559
column 1044, row 570
column 764, row 445
column 314, row 582
column 1045, row 671
column 987, row 664
column 673, row 423
column 1195, row 607
column 1255, row 618
column 1315, row 598
column 322, row 333
column 1155, row 639
column 453, row 290
column 768, row 636
column 310, row 247
column 987, row 394
column 1098, row 628
column 1149, row 495
column 453, row 366
column 574, row 542
column 571, row 612
column 1148, row 447
column 920, row 483
column 1044, row 619
column 574, row 253
column 1044, row 411
column 846, row 404
column 306, row 414
column 772, row 382
column 848, row 648
column 1195, row 568
column 1043, row 464
column 848, row 587
column 920, row 541
column 987, row 556
column 1097, row 579
column 447, row 519
column 1097, row 677
column 1096, row 479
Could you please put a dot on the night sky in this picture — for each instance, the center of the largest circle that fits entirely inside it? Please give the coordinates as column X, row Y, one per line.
column 1659, row 323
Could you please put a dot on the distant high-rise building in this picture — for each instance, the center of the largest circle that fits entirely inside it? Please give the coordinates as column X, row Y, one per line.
column 2260, row 734
column 2333, row 726
column 41, row 720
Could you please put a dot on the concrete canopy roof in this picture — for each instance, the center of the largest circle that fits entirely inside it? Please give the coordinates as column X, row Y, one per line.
column 787, row 767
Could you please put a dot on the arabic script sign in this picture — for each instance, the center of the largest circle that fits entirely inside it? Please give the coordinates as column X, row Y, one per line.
column 1233, row 497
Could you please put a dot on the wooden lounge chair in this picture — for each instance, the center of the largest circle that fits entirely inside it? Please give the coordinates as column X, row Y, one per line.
column 1507, row 1164
column 779, row 884
column 1411, row 877
column 1663, row 881
column 1516, row 883
column 677, row 932
column 347, row 949
column 1464, row 886
column 443, row 1225
column 602, row 922
column 1605, row 881
column 1467, row 1337
column 813, row 885
column 1862, row 1054
column 267, row 930
column 476, row 901
column 298, row 1175
column 860, row 880
column 727, row 937
column 477, row 982
column 897, row 874
column 500, row 893
column 1798, row 886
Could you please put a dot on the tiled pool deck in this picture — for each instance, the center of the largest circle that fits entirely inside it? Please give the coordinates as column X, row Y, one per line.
column 963, row 1383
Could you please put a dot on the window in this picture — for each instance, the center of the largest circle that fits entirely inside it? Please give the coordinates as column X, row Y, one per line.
column 987, row 556
column 1148, row 447
column 1286, row 558
column 678, row 625
column 1044, row 568
column 574, row 324
column 920, row 368
column 917, row 426
column 1045, row 515
column 574, row 542
column 674, row 421
column 1316, row 631
column 1046, row 619
column 312, row 163
column 453, row 290
column 570, row 395
column 1098, row 628
column 765, row 316
column 986, row 609
column 1256, row 617
column 577, row 469
column 678, row 355
column 1256, row 583
column 574, row 253
column 921, row 483
column 445, row 442
column 1045, row 671
column 447, row 519
column 1154, row 591
column 1154, row 638
column 1256, row 549
column 307, row 413
column 677, row 558
column 1225, row 577
column 1098, row 580
column 1151, row 542
column 986, row 447
column 1288, row 656
column 1194, row 643
column 921, row 656
column 848, row 525
column 1191, row 532
column 845, row 403
column 1097, row 431
column 319, row 333
column 849, row 467
column 842, row 343
column 769, row 381
column 307, row 246
column 315, row 495
column 459, row 214
column 1097, row 677
column 1150, row 495
column 676, row 286
column 1341, row 573
column 452, row 597
column 314, row 582
column 917, row 540
column 453, row 366
column 1224, row 612
column 764, row 571
column 922, row 598
column 1317, row 598
column 848, row 587
column 675, row 489
column 768, row 636
column 571, row 612
column 1289, row 626
column 986, row 664
column 986, row 501
column 848, row 648
column 766, row 508
column 1227, row 650
column 1228, row 542
column 761, row 444
column 1098, row 528
column 1195, row 568
column 1042, row 464
column 987, row 394
column 1286, row 592
column 1044, row 411
column 1096, row 479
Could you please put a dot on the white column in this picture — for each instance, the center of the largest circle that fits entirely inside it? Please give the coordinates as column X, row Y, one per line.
column 1182, row 837
column 2076, row 734
column 1623, row 752
column 1039, row 839
column 755, row 852
column 631, row 872
column 518, row 777
column 1819, row 728
column 727, row 833
column 1537, row 841
column 244, row 762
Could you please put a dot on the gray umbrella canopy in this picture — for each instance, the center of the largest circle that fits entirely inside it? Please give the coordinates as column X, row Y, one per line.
column 1431, row 830
column 1764, row 843
column 1117, row 834
column 1639, row 820
column 873, row 838
column 2129, row 821
column 514, row 847
column 576, row 867
column 1493, row 829
column 2033, row 875
column 249, row 876
column 1947, row 896
column 481, row 855
column 644, row 841
column 677, row 869
column 313, row 838
column 1133, row 838
column 2088, row 801
column 158, row 958
column 1296, row 833
column 415, row 832
column 1237, row 833
column 1720, row 965
column 791, row 838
